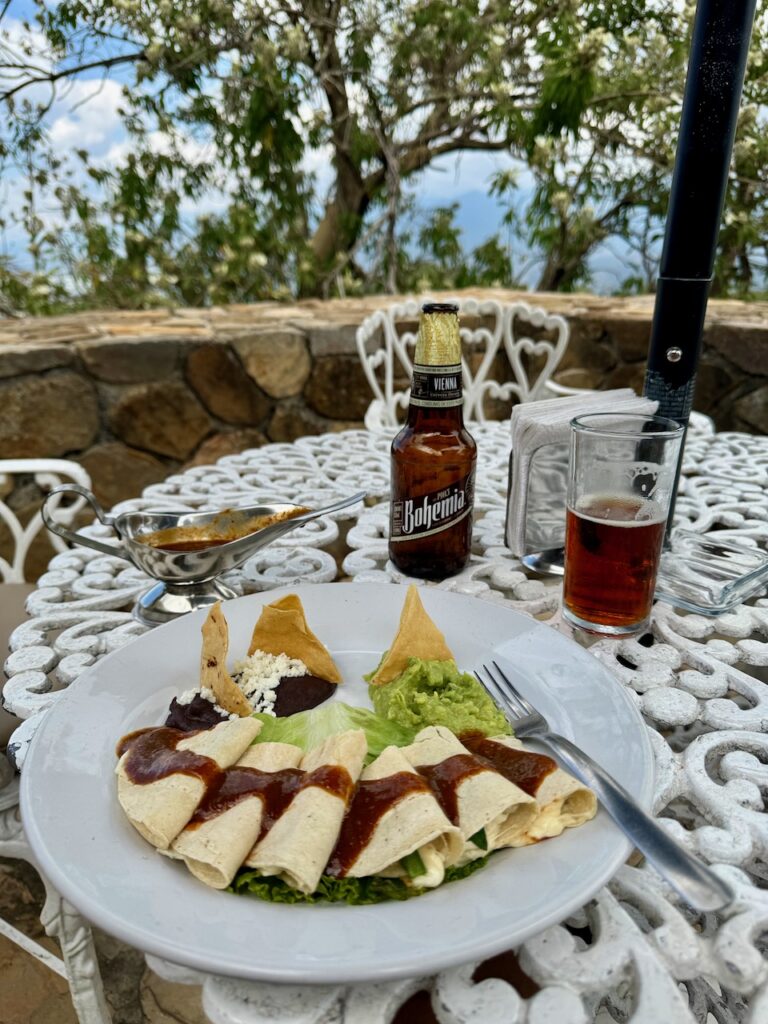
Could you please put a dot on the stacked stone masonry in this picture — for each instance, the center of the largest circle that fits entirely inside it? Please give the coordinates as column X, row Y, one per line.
column 135, row 395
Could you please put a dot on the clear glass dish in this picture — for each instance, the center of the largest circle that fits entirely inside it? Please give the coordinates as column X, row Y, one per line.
column 705, row 574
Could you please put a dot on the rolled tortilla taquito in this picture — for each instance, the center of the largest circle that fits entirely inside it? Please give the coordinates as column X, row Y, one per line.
column 163, row 773
column 297, row 846
column 394, row 813
column 472, row 795
column 562, row 801
column 214, row 848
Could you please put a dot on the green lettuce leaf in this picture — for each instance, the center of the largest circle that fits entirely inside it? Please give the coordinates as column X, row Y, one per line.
column 355, row 891
column 309, row 728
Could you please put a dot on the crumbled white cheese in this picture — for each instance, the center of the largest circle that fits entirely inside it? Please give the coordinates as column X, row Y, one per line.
column 259, row 674
column 189, row 695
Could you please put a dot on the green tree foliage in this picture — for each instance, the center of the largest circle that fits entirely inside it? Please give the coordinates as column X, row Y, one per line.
column 238, row 99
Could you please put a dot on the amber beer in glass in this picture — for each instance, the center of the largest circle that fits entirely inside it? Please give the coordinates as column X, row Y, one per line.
column 621, row 475
column 433, row 458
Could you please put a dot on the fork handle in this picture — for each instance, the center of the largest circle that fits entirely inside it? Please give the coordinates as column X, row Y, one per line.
column 699, row 886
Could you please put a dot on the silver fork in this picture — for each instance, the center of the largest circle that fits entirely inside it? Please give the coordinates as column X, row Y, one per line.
column 699, row 886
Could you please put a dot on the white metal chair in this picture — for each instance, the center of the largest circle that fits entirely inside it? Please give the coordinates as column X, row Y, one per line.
column 47, row 473
column 384, row 352
column 78, row 961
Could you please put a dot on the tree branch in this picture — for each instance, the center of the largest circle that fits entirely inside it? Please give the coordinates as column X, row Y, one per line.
column 629, row 95
column 55, row 76
column 421, row 155
column 331, row 72
column 459, row 97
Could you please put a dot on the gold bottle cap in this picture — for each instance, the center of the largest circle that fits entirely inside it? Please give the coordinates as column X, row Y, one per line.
column 439, row 341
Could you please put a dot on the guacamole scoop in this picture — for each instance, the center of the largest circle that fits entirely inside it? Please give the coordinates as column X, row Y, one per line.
column 437, row 693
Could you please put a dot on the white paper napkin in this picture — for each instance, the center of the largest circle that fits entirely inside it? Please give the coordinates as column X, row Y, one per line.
column 536, row 424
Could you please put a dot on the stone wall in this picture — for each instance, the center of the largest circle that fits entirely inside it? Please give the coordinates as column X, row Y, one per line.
column 136, row 395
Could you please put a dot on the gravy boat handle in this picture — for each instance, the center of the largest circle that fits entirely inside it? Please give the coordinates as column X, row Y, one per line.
column 80, row 538
column 278, row 529
column 335, row 507
column 270, row 533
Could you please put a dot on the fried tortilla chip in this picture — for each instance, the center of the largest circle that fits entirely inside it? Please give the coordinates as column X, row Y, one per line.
column 282, row 629
column 213, row 665
column 417, row 637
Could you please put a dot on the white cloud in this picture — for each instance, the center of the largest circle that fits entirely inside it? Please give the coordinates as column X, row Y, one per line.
column 214, row 203
column 318, row 162
column 84, row 111
column 89, row 115
column 194, row 151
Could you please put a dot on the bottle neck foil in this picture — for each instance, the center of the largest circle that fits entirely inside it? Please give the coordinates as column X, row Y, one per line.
column 439, row 341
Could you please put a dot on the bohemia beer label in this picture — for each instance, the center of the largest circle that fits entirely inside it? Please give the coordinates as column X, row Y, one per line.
column 432, row 513
column 437, row 387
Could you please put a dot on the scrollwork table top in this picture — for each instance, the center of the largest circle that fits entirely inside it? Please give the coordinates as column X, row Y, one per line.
column 634, row 953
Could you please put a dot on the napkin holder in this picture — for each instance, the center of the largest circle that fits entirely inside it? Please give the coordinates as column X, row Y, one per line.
column 544, row 498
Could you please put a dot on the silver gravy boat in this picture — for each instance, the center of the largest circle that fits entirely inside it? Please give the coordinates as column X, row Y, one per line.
column 186, row 579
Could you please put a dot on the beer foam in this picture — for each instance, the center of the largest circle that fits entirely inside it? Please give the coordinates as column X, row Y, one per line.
column 647, row 512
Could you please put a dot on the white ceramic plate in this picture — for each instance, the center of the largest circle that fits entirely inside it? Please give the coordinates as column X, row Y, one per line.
column 101, row 865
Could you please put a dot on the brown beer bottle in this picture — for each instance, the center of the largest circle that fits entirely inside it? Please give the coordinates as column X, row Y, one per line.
column 433, row 458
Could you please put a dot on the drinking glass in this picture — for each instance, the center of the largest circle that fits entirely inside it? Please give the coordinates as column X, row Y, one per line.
column 621, row 476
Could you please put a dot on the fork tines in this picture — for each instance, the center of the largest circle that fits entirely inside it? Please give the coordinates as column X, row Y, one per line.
column 505, row 694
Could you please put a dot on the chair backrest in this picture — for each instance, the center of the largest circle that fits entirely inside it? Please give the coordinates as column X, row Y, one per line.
column 47, row 473
column 386, row 354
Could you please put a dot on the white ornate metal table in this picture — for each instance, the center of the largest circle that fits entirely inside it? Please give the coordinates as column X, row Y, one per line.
column 634, row 953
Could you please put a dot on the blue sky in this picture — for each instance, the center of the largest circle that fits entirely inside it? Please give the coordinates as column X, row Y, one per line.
column 85, row 115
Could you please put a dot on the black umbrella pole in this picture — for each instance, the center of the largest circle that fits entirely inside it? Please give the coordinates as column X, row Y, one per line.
column 716, row 65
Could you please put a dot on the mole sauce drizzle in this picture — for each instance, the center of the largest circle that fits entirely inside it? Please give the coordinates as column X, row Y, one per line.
column 445, row 777
column 371, row 801
column 526, row 769
column 276, row 790
column 152, row 755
